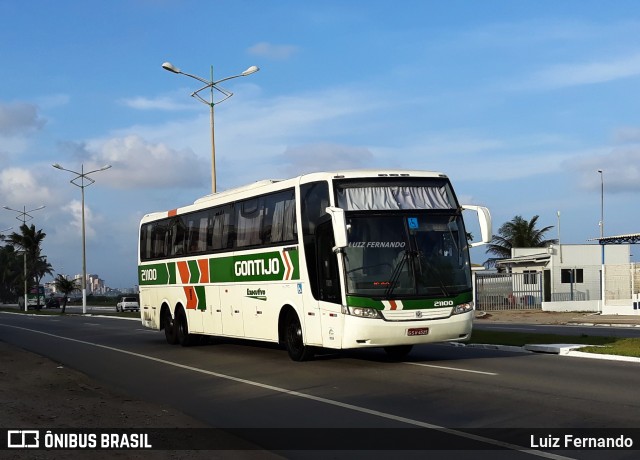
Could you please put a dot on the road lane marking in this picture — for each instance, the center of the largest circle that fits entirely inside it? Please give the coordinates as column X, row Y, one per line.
column 451, row 368
column 331, row 402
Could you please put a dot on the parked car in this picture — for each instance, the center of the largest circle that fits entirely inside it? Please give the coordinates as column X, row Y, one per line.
column 128, row 303
column 51, row 302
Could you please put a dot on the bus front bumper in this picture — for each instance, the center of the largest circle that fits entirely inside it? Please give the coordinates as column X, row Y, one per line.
column 367, row 332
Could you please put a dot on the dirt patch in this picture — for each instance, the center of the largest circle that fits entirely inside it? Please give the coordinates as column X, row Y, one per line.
column 533, row 317
column 36, row 392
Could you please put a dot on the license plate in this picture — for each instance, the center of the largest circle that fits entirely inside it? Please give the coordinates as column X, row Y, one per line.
column 417, row 331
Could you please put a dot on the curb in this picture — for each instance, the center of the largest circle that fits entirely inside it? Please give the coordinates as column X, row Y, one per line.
column 561, row 349
column 603, row 324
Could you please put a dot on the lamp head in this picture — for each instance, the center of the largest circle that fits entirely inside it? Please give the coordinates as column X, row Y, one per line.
column 170, row 67
column 57, row 166
column 250, row 70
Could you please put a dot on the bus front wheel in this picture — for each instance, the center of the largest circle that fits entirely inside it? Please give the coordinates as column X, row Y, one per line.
column 294, row 341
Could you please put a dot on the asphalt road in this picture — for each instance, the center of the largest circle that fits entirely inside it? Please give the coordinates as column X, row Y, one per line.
column 473, row 399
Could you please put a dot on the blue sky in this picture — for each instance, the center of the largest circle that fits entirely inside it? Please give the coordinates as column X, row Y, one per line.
column 519, row 102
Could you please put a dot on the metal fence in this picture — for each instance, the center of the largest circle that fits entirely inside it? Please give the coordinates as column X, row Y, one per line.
column 509, row 291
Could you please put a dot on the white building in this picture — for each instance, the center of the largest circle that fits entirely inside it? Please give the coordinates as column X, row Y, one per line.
column 568, row 277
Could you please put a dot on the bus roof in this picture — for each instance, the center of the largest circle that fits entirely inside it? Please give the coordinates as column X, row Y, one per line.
column 249, row 190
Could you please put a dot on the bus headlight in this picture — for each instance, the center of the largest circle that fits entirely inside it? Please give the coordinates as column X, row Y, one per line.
column 363, row 312
column 462, row 308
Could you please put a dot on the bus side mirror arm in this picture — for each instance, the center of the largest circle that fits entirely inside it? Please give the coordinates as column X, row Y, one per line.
column 339, row 224
column 484, row 218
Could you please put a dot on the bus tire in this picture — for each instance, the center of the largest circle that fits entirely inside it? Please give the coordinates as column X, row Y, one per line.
column 182, row 330
column 293, row 339
column 398, row 352
column 170, row 330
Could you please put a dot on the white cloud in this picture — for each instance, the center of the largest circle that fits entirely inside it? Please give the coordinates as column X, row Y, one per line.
column 271, row 51
column 159, row 103
column 53, row 101
column 627, row 134
column 18, row 118
column 137, row 163
column 20, row 186
column 620, row 166
column 74, row 209
column 325, row 157
column 585, row 73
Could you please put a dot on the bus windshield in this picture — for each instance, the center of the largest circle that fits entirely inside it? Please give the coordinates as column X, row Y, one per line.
column 395, row 255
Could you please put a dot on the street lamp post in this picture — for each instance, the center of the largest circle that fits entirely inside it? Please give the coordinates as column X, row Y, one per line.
column 84, row 181
column 602, row 281
column 601, row 202
column 24, row 216
column 211, row 85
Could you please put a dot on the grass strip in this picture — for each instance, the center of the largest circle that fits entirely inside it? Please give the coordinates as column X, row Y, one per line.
column 598, row 344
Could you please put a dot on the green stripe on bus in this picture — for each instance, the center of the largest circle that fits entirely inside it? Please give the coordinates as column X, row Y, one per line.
column 171, row 269
column 264, row 266
column 194, row 272
column 202, row 300
column 409, row 304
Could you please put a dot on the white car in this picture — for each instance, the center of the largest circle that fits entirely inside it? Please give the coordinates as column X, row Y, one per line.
column 128, row 303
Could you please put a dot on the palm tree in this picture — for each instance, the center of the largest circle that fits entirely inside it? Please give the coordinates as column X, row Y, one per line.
column 517, row 233
column 29, row 240
column 66, row 287
column 10, row 273
column 40, row 268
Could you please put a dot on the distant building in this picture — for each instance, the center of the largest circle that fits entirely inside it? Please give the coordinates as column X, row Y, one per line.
column 565, row 277
column 95, row 285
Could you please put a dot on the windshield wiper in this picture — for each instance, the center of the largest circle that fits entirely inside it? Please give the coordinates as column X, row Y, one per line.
column 421, row 257
column 395, row 274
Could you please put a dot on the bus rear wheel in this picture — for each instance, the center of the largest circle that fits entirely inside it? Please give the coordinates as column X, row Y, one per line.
column 170, row 332
column 294, row 341
column 182, row 328
column 398, row 352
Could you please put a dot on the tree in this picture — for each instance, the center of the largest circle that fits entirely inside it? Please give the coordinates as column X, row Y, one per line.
column 29, row 240
column 10, row 273
column 66, row 287
column 40, row 268
column 517, row 233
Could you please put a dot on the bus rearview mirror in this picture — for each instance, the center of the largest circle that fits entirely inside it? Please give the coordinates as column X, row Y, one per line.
column 339, row 224
column 484, row 218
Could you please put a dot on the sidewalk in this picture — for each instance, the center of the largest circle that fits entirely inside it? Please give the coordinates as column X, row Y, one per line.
column 557, row 318
column 540, row 317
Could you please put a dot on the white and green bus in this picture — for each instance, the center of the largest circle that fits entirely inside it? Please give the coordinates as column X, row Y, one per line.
column 35, row 297
column 325, row 260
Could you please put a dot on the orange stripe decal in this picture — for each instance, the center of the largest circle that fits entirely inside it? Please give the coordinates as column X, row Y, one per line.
column 393, row 304
column 285, row 257
column 183, row 268
column 173, row 212
column 192, row 298
column 203, row 264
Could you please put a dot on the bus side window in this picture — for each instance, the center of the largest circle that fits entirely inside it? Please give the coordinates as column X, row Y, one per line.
column 328, row 274
column 249, row 217
column 177, row 236
column 314, row 198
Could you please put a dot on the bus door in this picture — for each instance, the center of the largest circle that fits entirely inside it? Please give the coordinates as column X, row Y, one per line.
column 231, row 306
column 328, row 285
column 212, row 318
